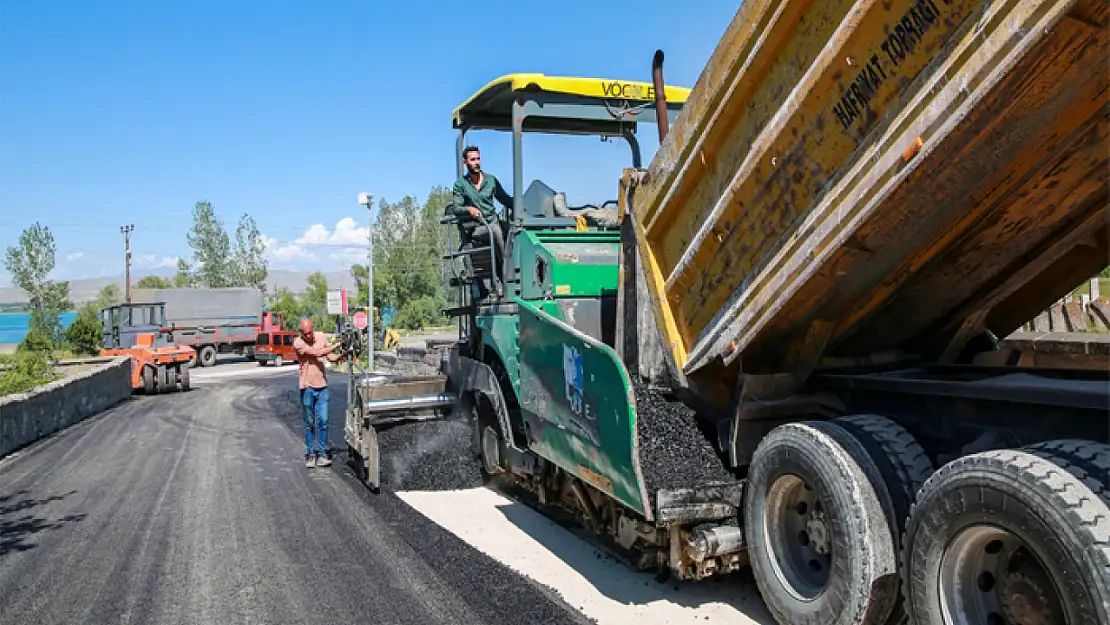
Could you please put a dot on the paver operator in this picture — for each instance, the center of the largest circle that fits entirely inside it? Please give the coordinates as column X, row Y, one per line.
column 311, row 350
column 473, row 195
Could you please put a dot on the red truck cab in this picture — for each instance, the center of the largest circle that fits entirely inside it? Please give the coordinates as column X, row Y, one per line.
column 275, row 347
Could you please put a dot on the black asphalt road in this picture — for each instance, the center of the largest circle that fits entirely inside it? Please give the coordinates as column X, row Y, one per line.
column 195, row 508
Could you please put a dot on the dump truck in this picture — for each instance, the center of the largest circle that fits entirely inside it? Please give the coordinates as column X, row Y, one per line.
column 214, row 321
column 777, row 346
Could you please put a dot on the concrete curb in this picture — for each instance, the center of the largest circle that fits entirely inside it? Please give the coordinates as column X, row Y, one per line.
column 28, row 417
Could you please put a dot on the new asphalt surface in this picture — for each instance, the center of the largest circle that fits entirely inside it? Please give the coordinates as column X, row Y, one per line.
column 196, row 508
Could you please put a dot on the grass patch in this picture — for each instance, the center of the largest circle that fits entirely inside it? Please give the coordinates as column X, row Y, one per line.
column 1103, row 288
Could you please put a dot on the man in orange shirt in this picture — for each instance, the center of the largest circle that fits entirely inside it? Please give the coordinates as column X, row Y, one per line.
column 311, row 350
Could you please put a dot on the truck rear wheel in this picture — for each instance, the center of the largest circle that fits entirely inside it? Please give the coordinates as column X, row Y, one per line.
column 1012, row 536
column 206, row 356
column 904, row 468
column 821, row 547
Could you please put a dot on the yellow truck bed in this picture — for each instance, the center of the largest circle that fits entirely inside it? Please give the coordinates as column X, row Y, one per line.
column 854, row 178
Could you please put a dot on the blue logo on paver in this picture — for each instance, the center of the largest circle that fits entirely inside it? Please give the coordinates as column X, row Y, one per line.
column 572, row 378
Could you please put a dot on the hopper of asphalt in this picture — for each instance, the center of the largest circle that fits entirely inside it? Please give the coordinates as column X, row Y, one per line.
column 606, row 590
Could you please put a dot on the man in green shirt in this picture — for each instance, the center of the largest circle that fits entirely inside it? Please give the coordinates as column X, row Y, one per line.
column 473, row 195
column 475, row 190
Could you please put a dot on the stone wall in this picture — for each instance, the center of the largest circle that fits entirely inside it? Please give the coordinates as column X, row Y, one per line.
column 27, row 417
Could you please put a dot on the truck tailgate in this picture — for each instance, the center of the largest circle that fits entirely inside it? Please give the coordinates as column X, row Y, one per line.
column 857, row 177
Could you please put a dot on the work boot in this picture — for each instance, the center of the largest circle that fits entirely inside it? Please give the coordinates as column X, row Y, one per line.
column 323, row 461
column 309, row 461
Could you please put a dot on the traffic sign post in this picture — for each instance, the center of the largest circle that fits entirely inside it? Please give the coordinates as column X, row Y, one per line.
column 337, row 301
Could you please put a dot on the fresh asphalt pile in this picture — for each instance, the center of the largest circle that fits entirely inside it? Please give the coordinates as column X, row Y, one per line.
column 429, row 455
column 674, row 452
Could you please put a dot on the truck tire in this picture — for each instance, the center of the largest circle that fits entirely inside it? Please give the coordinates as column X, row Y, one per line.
column 821, row 548
column 183, row 377
column 904, row 468
column 1009, row 536
column 148, row 380
column 206, row 356
column 1088, row 461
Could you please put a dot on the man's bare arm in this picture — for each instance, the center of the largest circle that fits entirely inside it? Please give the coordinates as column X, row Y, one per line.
column 303, row 349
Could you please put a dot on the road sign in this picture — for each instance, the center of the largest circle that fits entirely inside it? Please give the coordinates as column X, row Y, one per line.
column 360, row 320
column 337, row 301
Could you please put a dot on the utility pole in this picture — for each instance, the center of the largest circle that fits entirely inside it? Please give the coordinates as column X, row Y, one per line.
column 126, row 231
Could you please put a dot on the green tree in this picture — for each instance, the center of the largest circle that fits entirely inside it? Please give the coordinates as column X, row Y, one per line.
column 184, row 278
column 216, row 263
column 154, row 282
column 211, row 247
column 85, row 334
column 314, row 303
column 286, row 302
column 409, row 274
column 37, row 341
column 30, row 264
column 248, row 261
column 110, row 295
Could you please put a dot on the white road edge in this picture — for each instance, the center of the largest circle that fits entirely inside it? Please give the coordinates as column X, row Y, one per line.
column 601, row 588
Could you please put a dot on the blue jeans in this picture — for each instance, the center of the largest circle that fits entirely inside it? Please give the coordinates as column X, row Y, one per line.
column 315, row 401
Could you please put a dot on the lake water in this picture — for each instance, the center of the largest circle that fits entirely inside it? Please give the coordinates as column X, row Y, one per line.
column 13, row 326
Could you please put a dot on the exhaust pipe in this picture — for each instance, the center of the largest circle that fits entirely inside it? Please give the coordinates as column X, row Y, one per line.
column 661, row 119
column 414, row 402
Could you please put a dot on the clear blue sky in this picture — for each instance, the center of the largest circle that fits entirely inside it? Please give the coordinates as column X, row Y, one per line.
column 129, row 112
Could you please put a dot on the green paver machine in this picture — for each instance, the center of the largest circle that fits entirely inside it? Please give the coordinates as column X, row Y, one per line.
column 553, row 404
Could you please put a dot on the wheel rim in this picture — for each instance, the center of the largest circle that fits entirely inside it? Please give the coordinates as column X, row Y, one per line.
column 796, row 531
column 988, row 575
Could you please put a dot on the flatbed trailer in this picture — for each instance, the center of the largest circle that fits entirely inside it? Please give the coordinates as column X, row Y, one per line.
column 856, row 200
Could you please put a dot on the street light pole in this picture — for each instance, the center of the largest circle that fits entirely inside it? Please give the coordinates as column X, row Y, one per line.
column 366, row 200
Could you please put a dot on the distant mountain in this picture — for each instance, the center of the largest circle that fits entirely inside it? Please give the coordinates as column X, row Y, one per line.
column 84, row 290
